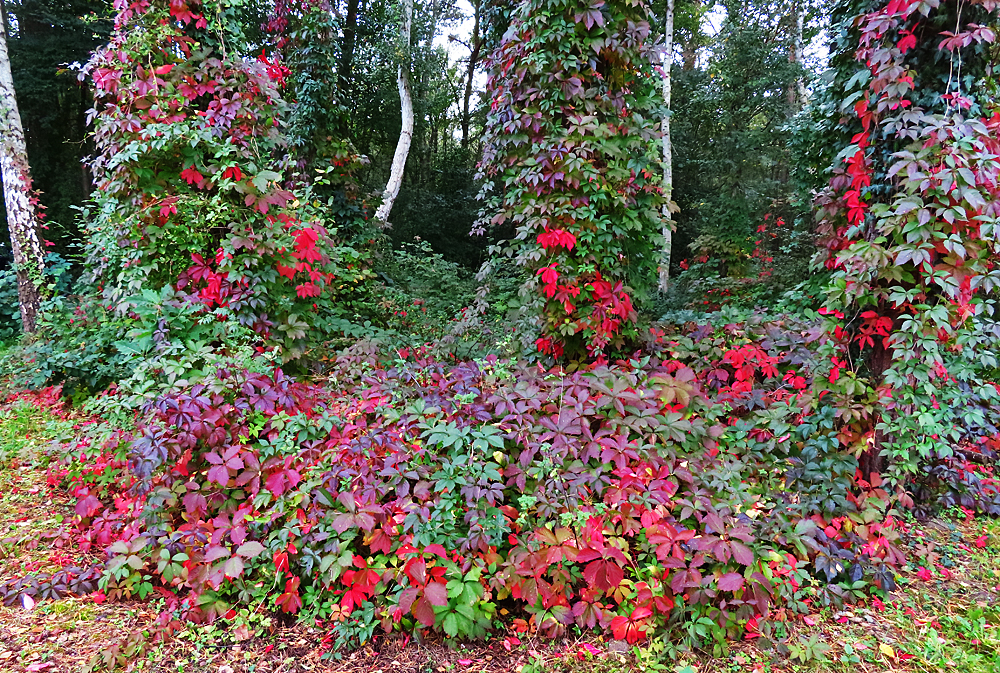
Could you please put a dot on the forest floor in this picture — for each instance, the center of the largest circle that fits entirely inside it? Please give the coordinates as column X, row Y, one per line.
column 944, row 616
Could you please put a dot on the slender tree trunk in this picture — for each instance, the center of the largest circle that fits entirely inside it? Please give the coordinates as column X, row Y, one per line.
column 435, row 15
column 21, row 221
column 470, row 74
column 424, row 145
column 689, row 48
column 668, row 159
column 81, row 120
column 347, row 51
column 406, row 112
column 796, row 93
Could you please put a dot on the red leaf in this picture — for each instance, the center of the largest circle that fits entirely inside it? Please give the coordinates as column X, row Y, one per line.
column 437, row 550
column 424, row 612
column 436, row 593
column 289, row 601
column 192, row 176
column 276, row 483
column 603, row 574
column 416, row 570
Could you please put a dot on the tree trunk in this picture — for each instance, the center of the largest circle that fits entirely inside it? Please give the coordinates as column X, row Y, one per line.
column 689, row 47
column 435, row 14
column 29, row 258
column 424, row 145
column 879, row 360
column 470, row 74
column 668, row 159
column 347, row 51
column 796, row 90
column 406, row 112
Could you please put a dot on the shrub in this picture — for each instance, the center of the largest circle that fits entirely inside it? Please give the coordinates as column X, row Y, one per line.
column 701, row 481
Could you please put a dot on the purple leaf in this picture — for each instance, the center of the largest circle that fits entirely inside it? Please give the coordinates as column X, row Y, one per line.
column 88, row 506
column 741, row 553
column 233, row 567
column 730, row 582
column 215, row 553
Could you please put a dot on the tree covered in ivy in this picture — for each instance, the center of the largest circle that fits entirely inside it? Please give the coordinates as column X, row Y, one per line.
column 908, row 223
column 192, row 178
column 572, row 170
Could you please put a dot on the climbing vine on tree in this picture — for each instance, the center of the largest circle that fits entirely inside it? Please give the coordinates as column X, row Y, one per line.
column 908, row 224
column 572, row 169
column 190, row 168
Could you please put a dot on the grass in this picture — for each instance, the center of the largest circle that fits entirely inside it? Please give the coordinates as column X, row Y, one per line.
column 22, row 425
column 949, row 621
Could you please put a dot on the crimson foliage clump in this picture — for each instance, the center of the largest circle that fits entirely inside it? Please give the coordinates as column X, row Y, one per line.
column 702, row 481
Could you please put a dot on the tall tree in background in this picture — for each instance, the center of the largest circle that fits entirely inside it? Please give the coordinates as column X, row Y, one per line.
column 346, row 66
column 22, row 221
column 45, row 37
column 474, row 45
column 796, row 54
column 668, row 157
column 406, row 113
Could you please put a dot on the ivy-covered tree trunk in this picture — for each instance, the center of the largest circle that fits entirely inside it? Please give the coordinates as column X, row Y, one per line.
column 908, row 225
column 21, row 220
column 572, row 163
column 406, row 113
column 668, row 158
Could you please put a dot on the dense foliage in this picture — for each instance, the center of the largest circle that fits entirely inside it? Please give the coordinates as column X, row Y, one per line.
column 913, row 255
column 276, row 407
column 571, row 167
column 419, row 494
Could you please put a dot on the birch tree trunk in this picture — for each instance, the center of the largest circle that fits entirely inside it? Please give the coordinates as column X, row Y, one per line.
column 21, row 221
column 406, row 112
column 668, row 160
column 797, row 90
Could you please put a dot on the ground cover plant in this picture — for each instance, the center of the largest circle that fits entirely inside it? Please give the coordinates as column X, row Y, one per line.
column 261, row 428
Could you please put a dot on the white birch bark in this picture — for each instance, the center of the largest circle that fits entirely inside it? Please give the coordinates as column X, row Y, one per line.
column 29, row 257
column 406, row 112
column 668, row 161
column 796, row 50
